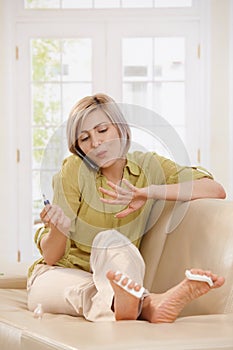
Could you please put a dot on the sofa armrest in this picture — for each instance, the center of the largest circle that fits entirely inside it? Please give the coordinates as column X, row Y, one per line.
column 196, row 234
column 13, row 282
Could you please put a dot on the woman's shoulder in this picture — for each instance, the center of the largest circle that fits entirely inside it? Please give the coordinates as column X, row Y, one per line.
column 71, row 162
column 141, row 157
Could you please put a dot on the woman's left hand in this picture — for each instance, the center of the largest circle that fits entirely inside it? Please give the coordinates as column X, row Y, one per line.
column 130, row 195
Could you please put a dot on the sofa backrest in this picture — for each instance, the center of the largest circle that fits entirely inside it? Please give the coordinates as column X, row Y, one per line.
column 184, row 235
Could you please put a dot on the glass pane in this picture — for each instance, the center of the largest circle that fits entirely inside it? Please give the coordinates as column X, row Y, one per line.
column 137, row 59
column 106, row 3
column 166, row 99
column 71, row 94
column 44, row 187
column 46, row 104
column 169, row 101
column 149, row 141
column 33, row 4
column 37, row 199
column 36, row 190
column 137, row 3
column 76, row 4
column 46, row 60
column 169, row 58
column 137, row 93
column 76, row 60
column 37, row 156
column 173, row 3
column 41, row 138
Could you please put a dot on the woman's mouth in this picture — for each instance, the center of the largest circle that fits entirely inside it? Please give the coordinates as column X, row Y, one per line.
column 101, row 154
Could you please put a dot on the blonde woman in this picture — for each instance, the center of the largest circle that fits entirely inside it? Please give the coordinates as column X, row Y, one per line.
column 91, row 265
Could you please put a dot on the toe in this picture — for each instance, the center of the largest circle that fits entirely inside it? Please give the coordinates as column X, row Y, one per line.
column 131, row 285
column 124, row 281
column 219, row 282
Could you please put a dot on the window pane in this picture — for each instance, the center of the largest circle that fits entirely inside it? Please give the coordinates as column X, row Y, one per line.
column 76, row 60
column 169, row 55
column 106, row 3
column 46, row 104
column 169, row 101
column 36, row 195
column 143, row 139
column 137, row 3
column 46, row 61
column 137, row 59
column 137, row 93
column 41, row 4
column 41, row 137
column 72, row 93
column 77, row 4
column 173, row 3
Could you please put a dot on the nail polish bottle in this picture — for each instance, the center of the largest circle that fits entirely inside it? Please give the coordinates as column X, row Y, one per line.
column 38, row 312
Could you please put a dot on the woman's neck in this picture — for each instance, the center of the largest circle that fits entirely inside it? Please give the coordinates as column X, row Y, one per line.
column 114, row 173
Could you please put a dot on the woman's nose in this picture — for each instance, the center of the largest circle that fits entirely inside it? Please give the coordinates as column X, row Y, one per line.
column 95, row 141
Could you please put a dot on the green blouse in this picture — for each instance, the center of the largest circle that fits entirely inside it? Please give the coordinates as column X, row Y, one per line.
column 76, row 191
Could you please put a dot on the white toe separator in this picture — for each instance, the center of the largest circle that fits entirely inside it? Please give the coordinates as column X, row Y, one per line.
column 196, row 277
column 137, row 294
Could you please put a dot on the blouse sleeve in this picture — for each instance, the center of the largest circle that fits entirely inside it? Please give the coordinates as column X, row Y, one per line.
column 66, row 189
column 175, row 173
column 66, row 195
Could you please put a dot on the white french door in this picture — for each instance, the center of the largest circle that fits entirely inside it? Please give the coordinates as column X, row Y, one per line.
column 56, row 66
column 150, row 66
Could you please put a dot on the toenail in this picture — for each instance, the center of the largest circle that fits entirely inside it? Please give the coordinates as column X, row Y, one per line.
column 124, row 281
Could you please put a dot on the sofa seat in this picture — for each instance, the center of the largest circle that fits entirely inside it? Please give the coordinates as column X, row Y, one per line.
column 20, row 330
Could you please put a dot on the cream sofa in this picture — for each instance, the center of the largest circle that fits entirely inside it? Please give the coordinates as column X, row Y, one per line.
column 180, row 236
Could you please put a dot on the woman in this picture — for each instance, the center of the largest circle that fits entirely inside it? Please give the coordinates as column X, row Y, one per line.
column 102, row 199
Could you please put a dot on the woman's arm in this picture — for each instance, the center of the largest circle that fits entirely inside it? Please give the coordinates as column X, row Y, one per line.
column 135, row 197
column 184, row 191
column 53, row 244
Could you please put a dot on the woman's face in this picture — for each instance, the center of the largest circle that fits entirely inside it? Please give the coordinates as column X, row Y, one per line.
column 99, row 139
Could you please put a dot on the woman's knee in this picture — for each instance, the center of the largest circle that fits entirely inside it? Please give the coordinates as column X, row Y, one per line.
column 110, row 238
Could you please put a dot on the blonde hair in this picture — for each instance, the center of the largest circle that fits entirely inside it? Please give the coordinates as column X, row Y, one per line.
column 89, row 104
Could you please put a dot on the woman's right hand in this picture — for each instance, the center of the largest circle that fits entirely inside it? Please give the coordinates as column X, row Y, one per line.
column 53, row 216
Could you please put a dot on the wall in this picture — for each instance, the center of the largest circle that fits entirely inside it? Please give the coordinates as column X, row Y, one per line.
column 8, row 173
column 231, row 100
column 219, row 92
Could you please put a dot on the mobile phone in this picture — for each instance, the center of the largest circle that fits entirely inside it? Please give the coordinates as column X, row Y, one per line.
column 86, row 160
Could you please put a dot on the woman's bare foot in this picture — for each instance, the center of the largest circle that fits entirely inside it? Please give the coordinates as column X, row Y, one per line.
column 126, row 305
column 166, row 307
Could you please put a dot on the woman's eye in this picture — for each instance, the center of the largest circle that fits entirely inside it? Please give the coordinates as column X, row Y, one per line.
column 83, row 138
column 103, row 130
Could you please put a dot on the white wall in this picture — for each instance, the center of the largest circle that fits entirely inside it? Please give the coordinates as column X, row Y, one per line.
column 231, row 101
column 8, row 172
column 219, row 92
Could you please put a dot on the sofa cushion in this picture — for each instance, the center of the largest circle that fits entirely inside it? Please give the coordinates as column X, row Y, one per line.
column 20, row 330
column 13, row 281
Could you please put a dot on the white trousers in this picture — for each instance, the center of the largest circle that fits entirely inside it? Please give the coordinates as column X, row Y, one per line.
column 79, row 293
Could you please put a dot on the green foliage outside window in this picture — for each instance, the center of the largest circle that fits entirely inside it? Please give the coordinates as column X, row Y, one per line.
column 46, row 105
